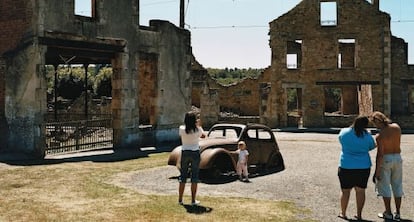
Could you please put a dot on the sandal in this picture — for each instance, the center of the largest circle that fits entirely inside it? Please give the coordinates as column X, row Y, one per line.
column 340, row 215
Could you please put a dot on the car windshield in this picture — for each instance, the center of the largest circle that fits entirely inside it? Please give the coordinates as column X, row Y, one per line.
column 224, row 132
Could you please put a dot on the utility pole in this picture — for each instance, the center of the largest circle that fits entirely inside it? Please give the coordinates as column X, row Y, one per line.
column 182, row 13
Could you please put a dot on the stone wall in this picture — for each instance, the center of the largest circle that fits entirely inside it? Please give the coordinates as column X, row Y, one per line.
column 402, row 79
column 365, row 50
column 3, row 122
column 245, row 99
column 240, row 98
column 2, row 86
column 151, row 81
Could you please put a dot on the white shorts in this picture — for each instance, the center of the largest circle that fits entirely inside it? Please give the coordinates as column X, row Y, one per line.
column 391, row 176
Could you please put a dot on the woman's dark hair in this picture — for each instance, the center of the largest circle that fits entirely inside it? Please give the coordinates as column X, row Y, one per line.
column 360, row 124
column 190, row 121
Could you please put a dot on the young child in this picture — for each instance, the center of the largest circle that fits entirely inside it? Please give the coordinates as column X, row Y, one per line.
column 241, row 169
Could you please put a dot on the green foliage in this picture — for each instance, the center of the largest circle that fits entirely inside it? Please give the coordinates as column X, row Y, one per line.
column 102, row 84
column 292, row 97
column 70, row 81
column 228, row 76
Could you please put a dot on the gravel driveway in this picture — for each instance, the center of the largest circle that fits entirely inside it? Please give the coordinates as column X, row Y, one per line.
column 309, row 179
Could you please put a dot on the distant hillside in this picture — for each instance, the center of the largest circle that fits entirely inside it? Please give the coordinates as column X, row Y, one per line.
column 233, row 75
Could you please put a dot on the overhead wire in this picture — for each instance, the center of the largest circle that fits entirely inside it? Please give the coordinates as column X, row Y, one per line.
column 158, row 2
column 245, row 26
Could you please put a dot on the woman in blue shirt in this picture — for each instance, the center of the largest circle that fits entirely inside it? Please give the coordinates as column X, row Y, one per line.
column 355, row 163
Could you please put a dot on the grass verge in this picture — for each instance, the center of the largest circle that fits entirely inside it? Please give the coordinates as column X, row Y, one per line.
column 77, row 191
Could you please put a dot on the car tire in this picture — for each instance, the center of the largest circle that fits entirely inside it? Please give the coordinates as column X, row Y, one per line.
column 215, row 173
column 275, row 162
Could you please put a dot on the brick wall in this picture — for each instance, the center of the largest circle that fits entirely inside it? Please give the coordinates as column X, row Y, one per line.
column 15, row 18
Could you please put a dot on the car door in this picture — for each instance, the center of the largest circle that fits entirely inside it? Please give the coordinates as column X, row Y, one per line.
column 260, row 145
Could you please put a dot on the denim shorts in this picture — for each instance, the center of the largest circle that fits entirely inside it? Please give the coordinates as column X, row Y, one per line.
column 391, row 176
column 190, row 161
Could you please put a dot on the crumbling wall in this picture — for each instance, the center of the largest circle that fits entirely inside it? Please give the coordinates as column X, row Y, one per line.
column 15, row 23
column 401, row 78
column 241, row 98
column 3, row 123
column 209, row 102
column 242, row 102
column 25, row 102
column 366, row 61
column 199, row 79
column 40, row 30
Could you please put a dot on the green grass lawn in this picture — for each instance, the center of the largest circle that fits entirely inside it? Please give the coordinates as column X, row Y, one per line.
column 80, row 191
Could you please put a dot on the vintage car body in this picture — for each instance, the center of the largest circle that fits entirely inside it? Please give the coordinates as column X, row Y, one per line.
column 216, row 150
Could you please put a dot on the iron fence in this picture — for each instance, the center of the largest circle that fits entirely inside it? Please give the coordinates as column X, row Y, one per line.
column 79, row 135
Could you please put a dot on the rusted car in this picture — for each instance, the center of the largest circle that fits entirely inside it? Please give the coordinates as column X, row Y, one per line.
column 218, row 158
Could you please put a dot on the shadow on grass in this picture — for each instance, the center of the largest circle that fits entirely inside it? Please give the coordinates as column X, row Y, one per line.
column 104, row 155
column 197, row 209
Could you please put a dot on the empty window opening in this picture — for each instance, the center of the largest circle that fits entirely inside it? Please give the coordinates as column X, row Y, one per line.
column 294, row 54
column 294, row 107
column 349, row 100
column 341, row 100
column 346, row 53
column 328, row 14
column 85, row 8
column 333, row 100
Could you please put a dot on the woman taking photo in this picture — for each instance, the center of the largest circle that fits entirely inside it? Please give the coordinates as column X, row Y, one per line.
column 190, row 156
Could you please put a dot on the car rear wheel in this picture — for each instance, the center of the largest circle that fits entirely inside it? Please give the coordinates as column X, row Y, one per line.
column 275, row 162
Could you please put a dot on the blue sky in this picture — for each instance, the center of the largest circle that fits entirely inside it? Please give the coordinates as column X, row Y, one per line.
column 234, row 33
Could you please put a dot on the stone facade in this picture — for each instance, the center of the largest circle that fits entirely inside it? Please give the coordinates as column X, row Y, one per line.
column 353, row 53
column 151, row 81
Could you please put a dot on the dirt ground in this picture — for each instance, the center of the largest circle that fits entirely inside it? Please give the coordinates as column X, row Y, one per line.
column 310, row 179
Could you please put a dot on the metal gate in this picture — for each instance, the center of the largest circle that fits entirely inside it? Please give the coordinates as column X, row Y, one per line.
column 78, row 135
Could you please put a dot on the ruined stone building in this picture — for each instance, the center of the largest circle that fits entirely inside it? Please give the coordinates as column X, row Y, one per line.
column 151, row 81
column 324, row 48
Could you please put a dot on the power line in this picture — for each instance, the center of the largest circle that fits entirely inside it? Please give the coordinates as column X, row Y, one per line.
column 226, row 26
column 259, row 26
column 158, row 3
column 403, row 21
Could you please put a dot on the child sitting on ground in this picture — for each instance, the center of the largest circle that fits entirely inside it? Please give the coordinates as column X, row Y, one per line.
column 241, row 169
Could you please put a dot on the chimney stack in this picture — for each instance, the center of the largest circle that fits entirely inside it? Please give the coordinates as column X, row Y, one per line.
column 376, row 3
